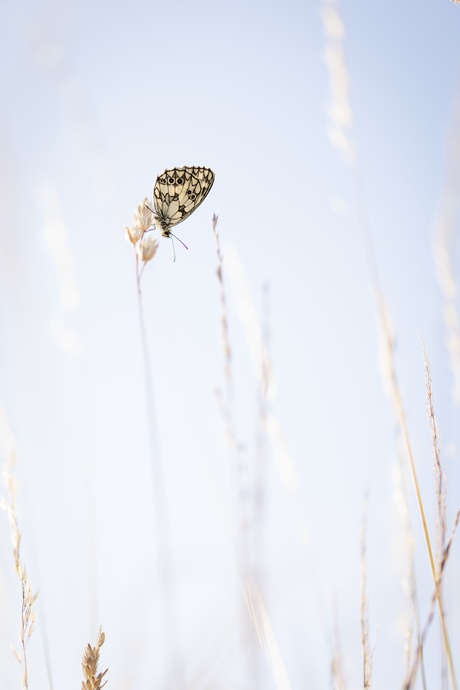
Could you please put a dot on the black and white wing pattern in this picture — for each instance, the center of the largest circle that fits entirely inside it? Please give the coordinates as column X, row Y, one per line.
column 177, row 193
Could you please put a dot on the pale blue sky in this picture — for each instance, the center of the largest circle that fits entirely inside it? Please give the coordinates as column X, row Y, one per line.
column 99, row 98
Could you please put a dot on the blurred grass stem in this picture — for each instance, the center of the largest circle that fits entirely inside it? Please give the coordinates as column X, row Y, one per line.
column 340, row 127
column 405, row 435
column 368, row 650
column 253, row 599
column 223, row 304
column 169, row 614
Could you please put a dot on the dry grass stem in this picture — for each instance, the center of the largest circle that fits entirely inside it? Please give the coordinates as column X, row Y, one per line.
column 223, row 400
column 411, row 678
column 398, row 407
column 249, row 574
column 266, row 635
column 89, row 663
column 261, row 460
column 340, row 127
column 438, row 471
column 337, row 672
column 257, row 346
column 368, row 650
column 145, row 248
column 340, row 115
column 28, row 597
column 223, row 303
column 411, row 582
column 440, row 490
column 257, row 336
column 412, row 675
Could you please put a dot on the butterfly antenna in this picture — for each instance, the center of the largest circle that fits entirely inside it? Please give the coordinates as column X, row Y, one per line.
column 179, row 240
column 174, row 250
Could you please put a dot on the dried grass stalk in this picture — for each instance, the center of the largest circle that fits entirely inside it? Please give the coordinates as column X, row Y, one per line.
column 411, row 582
column 411, row 678
column 437, row 568
column 145, row 247
column 28, row 598
column 337, row 672
column 368, row 650
column 93, row 679
column 223, row 302
column 438, row 471
column 442, row 549
column 398, row 406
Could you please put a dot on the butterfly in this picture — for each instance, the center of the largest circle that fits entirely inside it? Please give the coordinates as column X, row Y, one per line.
column 177, row 193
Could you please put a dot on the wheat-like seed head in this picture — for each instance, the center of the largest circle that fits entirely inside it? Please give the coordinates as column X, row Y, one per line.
column 93, row 679
column 142, row 220
column 146, row 248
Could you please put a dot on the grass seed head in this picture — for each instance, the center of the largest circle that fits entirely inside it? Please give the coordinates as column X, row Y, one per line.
column 147, row 248
column 93, row 679
column 143, row 216
column 133, row 235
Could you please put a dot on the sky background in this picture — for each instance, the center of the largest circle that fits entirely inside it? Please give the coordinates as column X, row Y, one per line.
column 98, row 99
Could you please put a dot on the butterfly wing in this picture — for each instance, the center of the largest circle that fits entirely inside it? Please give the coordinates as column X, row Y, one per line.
column 179, row 191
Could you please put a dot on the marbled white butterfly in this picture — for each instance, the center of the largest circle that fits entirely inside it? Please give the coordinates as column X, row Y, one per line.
column 177, row 193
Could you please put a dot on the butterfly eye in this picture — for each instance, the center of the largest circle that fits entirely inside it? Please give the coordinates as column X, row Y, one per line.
column 171, row 180
column 180, row 180
column 192, row 197
column 163, row 181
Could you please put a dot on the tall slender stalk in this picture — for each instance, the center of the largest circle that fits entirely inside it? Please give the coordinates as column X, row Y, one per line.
column 340, row 131
column 368, row 650
column 145, row 246
column 168, row 585
column 239, row 468
column 27, row 618
column 261, row 629
column 401, row 500
column 405, row 435
column 411, row 678
column 337, row 671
